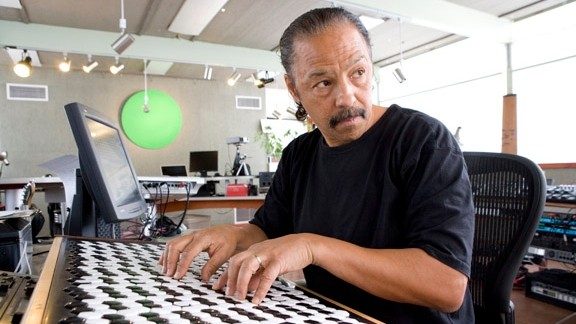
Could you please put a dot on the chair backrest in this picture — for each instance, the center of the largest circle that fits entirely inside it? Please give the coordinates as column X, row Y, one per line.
column 509, row 192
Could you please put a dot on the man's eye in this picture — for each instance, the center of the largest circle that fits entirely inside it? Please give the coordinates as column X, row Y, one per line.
column 322, row 84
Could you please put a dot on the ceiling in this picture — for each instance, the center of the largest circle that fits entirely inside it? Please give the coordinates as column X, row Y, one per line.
column 245, row 35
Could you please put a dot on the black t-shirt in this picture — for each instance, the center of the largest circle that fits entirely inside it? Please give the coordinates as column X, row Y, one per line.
column 403, row 184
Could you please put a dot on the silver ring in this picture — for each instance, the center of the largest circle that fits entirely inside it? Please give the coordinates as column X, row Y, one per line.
column 259, row 261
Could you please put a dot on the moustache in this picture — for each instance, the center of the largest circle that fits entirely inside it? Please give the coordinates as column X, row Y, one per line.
column 344, row 114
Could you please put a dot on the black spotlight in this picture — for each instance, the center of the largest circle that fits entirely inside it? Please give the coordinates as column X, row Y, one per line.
column 264, row 81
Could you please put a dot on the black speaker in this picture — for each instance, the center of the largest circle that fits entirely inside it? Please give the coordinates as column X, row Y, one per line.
column 265, row 181
column 252, row 190
column 207, row 190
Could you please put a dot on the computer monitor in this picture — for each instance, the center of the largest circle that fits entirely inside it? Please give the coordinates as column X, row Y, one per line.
column 203, row 162
column 174, row 170
column 110, row 189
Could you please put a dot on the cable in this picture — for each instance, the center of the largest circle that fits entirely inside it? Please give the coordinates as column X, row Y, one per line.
column 183, row 213
column 23, row 257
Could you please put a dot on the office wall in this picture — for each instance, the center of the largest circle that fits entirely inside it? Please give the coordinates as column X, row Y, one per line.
column 34, row 132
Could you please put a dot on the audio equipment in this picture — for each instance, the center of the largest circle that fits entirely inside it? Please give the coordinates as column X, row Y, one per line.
column 555, row 237
column 561, row 194
column 555, row 286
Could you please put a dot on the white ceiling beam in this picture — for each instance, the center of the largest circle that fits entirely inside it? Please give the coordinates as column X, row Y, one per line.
column 437, row 14
column 158, row 68
column 82, row 41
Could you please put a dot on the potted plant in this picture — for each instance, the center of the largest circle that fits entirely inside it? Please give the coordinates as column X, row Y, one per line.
column 273, row 145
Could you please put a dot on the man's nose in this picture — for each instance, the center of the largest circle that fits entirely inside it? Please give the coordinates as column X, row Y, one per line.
column 345, row 93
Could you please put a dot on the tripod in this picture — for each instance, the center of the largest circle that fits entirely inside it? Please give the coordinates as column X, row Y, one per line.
column 240, row 167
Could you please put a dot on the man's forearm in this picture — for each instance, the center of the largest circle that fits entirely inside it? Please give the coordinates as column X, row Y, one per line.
column 402, row 275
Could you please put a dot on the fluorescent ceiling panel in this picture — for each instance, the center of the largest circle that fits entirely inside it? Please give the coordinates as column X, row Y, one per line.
column 11, row 4
column 195, row 15
column 370, row 22
column 16, row 56
column 158, row 67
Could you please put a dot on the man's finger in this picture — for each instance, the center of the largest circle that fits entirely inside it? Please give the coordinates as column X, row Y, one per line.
column 212, row 265
column 171, row 260
column 267, row 278
column 247, row 269
column 183, row 264
column 190, row 251
column 221, row 282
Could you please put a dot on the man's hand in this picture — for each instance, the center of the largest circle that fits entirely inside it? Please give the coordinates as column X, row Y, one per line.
column 256, row 268
column 220, row 242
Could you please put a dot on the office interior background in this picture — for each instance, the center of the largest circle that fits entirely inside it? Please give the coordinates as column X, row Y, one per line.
column 452, row 54
column 458, row 78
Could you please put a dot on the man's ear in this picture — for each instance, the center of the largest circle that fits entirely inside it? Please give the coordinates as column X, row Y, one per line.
column 290, row 84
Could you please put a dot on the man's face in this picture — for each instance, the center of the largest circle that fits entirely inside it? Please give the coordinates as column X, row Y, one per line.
column 331, row 76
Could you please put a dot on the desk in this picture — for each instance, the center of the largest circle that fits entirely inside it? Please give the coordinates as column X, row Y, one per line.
column 247, row 202
column 52, row 186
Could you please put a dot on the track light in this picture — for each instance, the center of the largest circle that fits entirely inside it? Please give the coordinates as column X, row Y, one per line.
column 122, row 43
column 256, row 80
column 88, row 67
column 125, row 39
column 207, row 72
column 64, row 66
column 262, row 82
column 399, row 75
column 234, row 78
column 291, row 111
column 3, row 161
column 398, row 71
column 4, row 157
column 114, row 69
column 24, row 67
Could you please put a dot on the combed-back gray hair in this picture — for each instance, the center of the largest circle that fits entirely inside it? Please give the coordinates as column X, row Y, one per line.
column 309, row 24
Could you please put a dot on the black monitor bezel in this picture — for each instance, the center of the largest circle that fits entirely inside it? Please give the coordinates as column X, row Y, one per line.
column 213, row 155
column 92, row 174
column 174, row 170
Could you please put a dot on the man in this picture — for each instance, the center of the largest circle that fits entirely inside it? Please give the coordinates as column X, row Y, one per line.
column 375, row 204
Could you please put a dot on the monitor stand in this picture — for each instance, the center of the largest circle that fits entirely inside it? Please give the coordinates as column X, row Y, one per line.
column 84, row 219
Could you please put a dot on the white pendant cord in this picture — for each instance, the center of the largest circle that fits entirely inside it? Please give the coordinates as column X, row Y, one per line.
column 401, row 43
column 146, row 108
column 122, row 22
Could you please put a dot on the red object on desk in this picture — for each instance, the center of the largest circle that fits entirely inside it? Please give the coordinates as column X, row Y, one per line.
column 237, row 190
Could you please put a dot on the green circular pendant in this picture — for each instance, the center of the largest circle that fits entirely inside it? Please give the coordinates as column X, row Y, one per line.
column 155, row 127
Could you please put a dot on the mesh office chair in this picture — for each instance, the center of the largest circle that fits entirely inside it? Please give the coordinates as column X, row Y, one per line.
column 509, row 193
